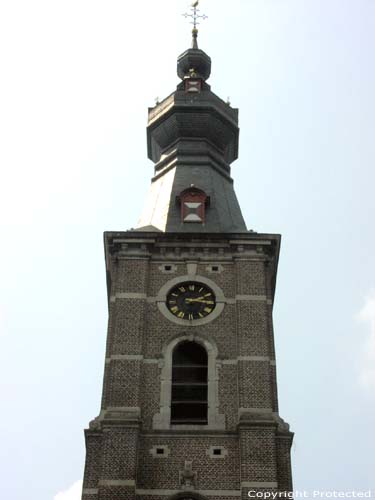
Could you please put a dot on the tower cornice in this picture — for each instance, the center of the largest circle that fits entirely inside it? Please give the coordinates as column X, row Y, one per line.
column 155, row 245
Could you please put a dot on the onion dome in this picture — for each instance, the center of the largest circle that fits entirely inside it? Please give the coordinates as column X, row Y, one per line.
column 194, row 62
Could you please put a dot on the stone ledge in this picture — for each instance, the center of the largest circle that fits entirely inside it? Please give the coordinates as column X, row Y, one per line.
column 117, row 482
column 259, row 484
column 208, row 493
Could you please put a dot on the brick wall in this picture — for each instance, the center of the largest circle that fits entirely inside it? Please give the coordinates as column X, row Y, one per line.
column 118, row 449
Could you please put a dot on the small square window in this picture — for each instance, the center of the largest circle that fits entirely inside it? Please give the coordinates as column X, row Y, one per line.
column 168, row 268
column 219, row 452
column 160, row 451
column 215, row 268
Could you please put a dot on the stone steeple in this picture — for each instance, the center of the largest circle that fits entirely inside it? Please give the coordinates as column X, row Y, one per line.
column 192, row 137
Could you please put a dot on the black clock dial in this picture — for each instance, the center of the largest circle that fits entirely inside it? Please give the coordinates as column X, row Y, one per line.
column 191, row 300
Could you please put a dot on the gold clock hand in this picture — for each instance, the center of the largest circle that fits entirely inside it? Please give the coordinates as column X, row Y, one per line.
column 200, row 300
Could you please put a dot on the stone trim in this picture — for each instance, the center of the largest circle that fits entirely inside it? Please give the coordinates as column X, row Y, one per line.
column 250, row 242
column 254, row 358
column 123, row 408
column 162, row 420
column 132, row 240
column 120, row 413
column 182, row 435
column 90, row 491
column 192, row 269
column 225, row 300
column 132, row 357
column 162, row 297
column 220, row 493
column 207, row 493
column 254, row 410
column 254, row 298
column 117, row 482
column 258, row 359
column 127, row 295
column 258, row 484
column 124, row 357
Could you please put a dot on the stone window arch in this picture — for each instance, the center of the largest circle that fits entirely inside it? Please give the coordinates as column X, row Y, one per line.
column 162, row 420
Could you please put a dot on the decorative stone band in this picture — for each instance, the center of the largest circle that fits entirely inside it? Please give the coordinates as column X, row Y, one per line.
column 254, row 298
column 143, row 296
column 117, row 482
column 253, row 358
column 263, row 416
column 127, row 295
column 124, row 408
column 257, row 484
column 167, row 493
column 90, row 491
column 250, row 248
column 258, row 359
column 116, row 413
column 207, row 493
column 155, row 361
column 256, row 411
column 124, row 357
column 129, row 414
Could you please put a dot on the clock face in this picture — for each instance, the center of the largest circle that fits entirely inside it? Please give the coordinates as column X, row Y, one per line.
column 191, row 300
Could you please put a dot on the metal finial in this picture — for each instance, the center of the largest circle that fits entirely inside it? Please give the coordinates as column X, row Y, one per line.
column 195, row 15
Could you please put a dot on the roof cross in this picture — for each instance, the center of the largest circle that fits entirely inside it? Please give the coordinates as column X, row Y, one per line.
column 195, row 14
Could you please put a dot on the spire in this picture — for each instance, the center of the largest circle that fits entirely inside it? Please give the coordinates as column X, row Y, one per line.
column 194, row 43
column 192, row 138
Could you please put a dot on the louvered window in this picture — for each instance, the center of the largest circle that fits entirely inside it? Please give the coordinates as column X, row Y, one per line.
column 189, row 384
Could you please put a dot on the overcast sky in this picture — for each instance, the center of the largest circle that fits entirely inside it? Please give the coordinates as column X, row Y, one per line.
column 76, row 80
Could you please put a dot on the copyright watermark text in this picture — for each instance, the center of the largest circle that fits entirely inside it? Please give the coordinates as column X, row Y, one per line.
column 279, row 495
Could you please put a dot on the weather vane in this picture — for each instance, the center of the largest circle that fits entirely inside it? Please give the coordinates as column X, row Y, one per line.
column 195, row 15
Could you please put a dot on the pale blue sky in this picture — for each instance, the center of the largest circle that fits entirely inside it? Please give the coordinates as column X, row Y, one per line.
column 76, row 80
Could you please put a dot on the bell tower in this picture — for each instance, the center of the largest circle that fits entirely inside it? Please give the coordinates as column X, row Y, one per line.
column 189, row 406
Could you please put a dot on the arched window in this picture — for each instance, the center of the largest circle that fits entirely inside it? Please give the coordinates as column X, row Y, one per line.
column 189, row 401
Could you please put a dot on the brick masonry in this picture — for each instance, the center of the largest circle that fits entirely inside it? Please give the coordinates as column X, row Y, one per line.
column 119, row 462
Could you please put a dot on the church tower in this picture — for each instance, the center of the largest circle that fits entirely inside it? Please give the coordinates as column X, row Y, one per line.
column 189, row 406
